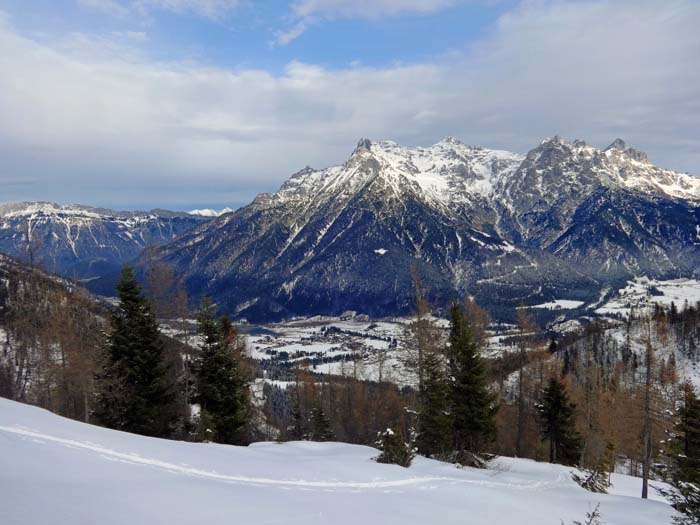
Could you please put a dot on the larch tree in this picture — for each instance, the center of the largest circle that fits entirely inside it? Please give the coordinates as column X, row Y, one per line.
column 526, row 326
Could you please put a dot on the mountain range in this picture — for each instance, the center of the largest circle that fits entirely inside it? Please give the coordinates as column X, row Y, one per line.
column 566, row 220
column 82, row 242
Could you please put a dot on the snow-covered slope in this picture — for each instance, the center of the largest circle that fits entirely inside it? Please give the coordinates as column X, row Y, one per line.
column 57, row 471
column 81, row 241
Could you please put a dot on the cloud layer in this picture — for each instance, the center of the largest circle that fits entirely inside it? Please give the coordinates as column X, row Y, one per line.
column 116, row 129
column 309, row 12
column 366, row 8
column 213, row 9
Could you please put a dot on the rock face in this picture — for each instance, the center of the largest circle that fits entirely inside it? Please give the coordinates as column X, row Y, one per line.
column 564, row 221
column 82, row 242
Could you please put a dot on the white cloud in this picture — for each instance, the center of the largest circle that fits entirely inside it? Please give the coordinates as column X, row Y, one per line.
column 205, row 8
column 309, row 12
column 366, row 8
column 110, row 7
column 213, row 9
column 112, row 127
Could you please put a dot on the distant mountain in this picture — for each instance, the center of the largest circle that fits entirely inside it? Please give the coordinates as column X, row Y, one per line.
column 565, row 220
column 83, row 242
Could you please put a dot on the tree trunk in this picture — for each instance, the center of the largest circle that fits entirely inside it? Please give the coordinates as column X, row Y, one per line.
column 646, row 465
column 520, row 438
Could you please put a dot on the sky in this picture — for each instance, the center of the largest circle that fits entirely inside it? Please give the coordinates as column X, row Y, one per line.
column 182, row 104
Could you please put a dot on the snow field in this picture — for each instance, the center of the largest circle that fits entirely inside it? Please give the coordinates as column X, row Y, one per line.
column 54, row 470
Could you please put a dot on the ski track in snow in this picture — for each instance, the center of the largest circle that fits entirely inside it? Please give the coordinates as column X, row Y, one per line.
column 112, row 455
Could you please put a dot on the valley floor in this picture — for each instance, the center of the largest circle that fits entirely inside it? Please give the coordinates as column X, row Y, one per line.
column 56, row 471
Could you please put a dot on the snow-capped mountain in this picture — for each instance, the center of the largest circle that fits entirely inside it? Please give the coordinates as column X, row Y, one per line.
column 83, row 242
column 566, row 218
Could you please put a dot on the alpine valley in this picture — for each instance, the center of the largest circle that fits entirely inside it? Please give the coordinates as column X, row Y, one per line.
column 566, row 221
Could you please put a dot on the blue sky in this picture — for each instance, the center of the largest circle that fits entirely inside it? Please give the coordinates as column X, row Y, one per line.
column 204, row 103
column 242, row 34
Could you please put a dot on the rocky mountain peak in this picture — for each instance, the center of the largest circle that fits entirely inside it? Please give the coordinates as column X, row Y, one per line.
column 618, row 144
column 364, row 144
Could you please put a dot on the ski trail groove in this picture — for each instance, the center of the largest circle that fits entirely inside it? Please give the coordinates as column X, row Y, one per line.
column 113, row 455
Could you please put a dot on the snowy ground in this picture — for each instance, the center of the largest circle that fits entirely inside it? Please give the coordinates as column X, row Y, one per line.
column 358, row 347
column 57, row 471
column 559, row 304
column 643, row 292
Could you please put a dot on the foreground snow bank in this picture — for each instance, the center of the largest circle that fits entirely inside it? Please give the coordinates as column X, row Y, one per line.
column 54, row 470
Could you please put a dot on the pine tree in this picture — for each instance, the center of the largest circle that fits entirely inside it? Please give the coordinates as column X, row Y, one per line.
column 134, row 389
column 473, row 406
column 558, row 425
column 221, row 387
column 434, row 417
column 685, row 460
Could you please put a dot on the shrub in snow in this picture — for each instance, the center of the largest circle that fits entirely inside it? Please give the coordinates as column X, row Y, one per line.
column 465, row 458
column 593, row 517
column 593, row 480
column 394, row 449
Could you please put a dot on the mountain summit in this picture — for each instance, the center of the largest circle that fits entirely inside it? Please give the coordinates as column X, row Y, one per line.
column 505, row 227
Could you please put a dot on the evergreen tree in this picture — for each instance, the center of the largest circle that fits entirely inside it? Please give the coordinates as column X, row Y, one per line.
column 558, row 424
column 473, row 406
column 685, row 459
column 319, row 424
column 394, row 450
column 434, row 418
column 295, row 430
column 221, row 387
column 135, row 392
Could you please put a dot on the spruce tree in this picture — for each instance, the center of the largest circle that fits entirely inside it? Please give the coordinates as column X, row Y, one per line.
column 473, row 406
column 557, row 423
column 684, row 449
column 319, row 424
column 434, row 417
column 221, row 387
column 134, row 389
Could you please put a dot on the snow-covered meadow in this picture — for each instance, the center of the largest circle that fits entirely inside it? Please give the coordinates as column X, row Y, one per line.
column 642, row 293
column 56, row 471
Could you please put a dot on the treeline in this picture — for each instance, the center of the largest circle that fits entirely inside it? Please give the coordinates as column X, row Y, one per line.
column 112, row 366
column 453, row 411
